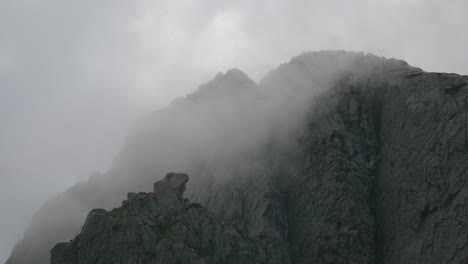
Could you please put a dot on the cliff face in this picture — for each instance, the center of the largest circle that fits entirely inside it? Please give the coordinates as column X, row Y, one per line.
column 334, row 157
column 420, row 190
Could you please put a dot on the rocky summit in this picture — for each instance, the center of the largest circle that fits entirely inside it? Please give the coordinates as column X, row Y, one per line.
column 160, row 227
column 333, row 157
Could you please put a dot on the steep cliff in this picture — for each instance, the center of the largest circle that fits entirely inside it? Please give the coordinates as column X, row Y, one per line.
column 334, row 157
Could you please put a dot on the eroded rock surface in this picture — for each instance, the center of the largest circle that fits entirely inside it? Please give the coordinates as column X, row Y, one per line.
column 160, row 227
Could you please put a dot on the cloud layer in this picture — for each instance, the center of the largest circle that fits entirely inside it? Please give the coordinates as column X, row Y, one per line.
column 75, row 75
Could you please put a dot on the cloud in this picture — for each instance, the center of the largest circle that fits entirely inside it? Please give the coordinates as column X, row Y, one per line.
column 75, row 75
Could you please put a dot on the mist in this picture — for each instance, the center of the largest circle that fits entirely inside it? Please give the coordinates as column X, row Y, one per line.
column 77, row 77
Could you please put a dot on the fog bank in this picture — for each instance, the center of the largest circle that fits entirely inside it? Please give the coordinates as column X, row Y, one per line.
column 75, row 76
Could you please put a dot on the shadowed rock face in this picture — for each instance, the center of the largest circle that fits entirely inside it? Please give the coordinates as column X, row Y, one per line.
column 370, row 168
column 148, row 228
column 169, row 191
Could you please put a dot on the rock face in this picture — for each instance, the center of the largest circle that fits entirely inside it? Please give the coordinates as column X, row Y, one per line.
column 334, row 157
column 169, row 192
column 160, row 227
column 421, row 183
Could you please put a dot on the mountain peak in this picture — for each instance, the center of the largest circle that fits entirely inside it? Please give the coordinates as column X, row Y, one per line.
column 232, row 83
column 231, row 75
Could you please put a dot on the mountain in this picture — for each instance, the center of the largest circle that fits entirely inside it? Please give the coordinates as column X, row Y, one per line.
column 334, row 157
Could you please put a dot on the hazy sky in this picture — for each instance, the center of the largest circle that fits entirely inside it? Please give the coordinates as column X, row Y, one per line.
column 75, row 75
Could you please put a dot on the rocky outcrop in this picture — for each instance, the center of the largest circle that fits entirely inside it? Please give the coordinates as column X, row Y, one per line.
column 160, row 227
column 334, row 157
column 169, row 192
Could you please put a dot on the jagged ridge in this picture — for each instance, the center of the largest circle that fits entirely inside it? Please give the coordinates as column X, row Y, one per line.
column 159, row 227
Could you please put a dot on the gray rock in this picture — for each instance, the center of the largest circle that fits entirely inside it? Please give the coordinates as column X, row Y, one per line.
column 148, row 228
column 169, row 191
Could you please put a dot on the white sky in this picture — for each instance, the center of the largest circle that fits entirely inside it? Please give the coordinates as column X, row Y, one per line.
column 75, row 75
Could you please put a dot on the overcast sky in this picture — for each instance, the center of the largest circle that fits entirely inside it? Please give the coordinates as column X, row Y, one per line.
column 75, row 75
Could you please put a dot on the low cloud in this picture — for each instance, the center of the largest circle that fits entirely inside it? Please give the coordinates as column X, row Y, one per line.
column 76, row 75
